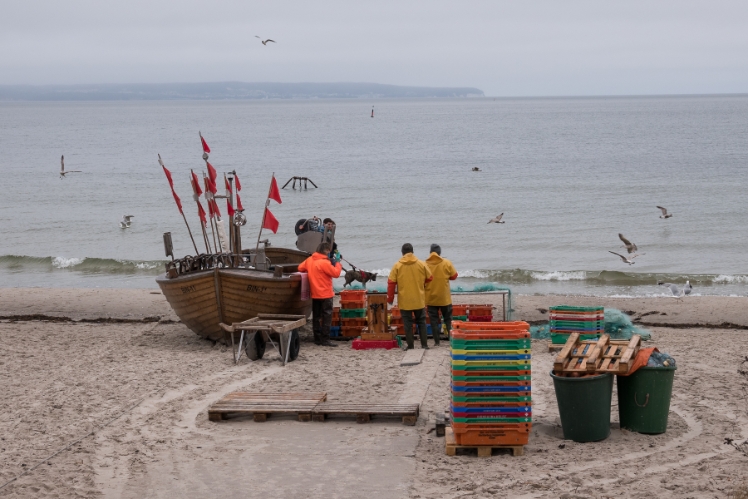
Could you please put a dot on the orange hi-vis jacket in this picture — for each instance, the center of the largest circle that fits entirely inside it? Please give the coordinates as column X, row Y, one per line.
column 320, row 274
column 409, row 275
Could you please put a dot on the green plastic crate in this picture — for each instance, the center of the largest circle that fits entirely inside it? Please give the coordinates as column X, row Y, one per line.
column 491, row 344
column 524, row 367
column 462, row 318
column 352, row 313
column 562, row 338
column 567, row 308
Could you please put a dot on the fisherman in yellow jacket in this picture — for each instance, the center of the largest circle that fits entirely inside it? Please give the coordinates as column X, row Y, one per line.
column 438, row 295
column 410, row 276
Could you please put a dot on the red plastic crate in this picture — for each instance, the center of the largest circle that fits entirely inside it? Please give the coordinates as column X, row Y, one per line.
column 459, row 310
column 480, row 318
column 480, row 310
column 368, row 344
column 348, row 304
column 353, row 295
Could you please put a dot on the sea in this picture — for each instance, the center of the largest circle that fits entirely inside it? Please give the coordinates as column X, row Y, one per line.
column 569, row 175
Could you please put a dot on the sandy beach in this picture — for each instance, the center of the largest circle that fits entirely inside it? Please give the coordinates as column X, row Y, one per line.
column 114, row 373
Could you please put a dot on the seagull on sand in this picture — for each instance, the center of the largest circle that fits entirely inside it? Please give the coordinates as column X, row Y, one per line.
column 62, row 168
column 665, row 214
column 630, row 247
column 265, row 42
column 630, row 261
column 677, row 291
column 125, row 222
column 496, row 220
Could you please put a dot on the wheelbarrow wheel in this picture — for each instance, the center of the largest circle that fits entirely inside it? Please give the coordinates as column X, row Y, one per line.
column 260, row 344
column 255, row 348
column 293, row 352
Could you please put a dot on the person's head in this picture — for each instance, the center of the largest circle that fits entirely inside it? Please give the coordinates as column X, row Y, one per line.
column 407, row 248
column 435, row 248
column 323, row 248
column 329, row 223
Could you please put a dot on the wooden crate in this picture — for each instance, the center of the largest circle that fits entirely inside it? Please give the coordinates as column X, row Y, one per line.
column 261, row 405
column 596, row 356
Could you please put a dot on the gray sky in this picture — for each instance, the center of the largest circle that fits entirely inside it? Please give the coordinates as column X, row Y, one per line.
column 505, row 48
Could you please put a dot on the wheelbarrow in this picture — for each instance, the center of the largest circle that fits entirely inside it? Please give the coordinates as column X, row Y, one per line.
column 281, row 331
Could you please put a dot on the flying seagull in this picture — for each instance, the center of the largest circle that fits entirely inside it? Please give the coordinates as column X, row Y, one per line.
column 665, row 214
column 265, row 42
column 630, row 261
column 677, row 291
column 125, row 222
column 62, row 168
column 630, row 247
column 496, row 220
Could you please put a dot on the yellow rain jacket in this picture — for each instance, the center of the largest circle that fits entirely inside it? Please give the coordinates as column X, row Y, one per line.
column 410, row 275
column 437, row 291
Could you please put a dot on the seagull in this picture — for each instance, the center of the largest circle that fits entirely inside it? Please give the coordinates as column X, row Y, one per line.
column 265, row 42
column 125, row 222
column 630, row 247
column 678, row 292
column 496, row 220
column 665, row 214
column 630, row 261
column 476, row 169
column 62, row 168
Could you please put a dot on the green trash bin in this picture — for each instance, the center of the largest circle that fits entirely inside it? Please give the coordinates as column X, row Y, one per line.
column 644, row 399
column 584, row 406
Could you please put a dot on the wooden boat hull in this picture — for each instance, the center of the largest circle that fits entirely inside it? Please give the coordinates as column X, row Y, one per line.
column 203, row 299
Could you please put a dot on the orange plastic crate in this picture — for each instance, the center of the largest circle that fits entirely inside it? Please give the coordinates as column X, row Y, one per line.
column 491, row 325
column 358, row 322
column 496, row 435
column 351, row 331
column 395, row 313
column 349, row 304
column 480, row 310
column 352, row 294
column 459, row 310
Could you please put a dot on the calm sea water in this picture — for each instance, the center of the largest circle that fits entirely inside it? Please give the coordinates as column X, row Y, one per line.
column 569, row 175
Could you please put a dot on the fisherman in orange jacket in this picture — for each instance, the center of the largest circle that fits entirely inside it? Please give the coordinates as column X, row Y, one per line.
column 321, row 270
column 410, row 275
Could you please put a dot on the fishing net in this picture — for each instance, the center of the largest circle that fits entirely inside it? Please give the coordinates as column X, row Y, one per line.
column 617, row 325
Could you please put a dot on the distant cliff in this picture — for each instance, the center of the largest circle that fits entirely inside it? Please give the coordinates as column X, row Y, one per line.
column 226, row 90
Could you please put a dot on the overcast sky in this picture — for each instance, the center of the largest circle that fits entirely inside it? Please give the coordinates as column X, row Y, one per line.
column 505, row 48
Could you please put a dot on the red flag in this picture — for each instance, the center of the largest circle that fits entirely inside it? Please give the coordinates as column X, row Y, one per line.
column 205, row 144
column 239, row 203
column 195, row 185
column 274, row 193
column 173, row 193
column 212, row 174
column 211, row 213
column 215, row 208
column 228, row 186
column 201, row 213
column 238, row 185
column 230, row 209
column 270, row 222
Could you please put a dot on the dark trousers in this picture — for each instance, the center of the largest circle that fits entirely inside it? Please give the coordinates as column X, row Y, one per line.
column 409, row 318
column 321, row 319
column 436, row 327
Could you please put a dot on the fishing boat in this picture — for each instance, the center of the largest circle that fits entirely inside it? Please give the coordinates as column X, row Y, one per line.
column 209, row 296
column 229, row 284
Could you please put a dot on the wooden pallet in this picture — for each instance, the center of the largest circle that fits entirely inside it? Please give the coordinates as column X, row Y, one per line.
column 262, row 405
column 596, row 356
column 364, row 412
column 451, row 446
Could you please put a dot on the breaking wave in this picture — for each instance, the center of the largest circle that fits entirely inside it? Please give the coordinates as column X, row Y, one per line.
column 20, row 264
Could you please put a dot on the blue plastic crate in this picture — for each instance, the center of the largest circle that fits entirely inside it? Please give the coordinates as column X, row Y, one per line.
column 334, row 331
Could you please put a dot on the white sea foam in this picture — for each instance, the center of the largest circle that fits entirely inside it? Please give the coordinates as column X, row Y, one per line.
column 146, row 265
column 730, row 279
column 478, row 274
column 556, row 275
column 61, row 262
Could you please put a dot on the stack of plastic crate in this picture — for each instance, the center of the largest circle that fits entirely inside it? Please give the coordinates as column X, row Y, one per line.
column 335, row 325
column 491, row 383
column 352, row 312
column 589, row 322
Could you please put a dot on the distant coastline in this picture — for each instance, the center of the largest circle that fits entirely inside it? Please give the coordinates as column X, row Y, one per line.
column 227, row 90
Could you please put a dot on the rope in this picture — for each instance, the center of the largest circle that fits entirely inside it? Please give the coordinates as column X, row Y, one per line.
column 72, row 443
